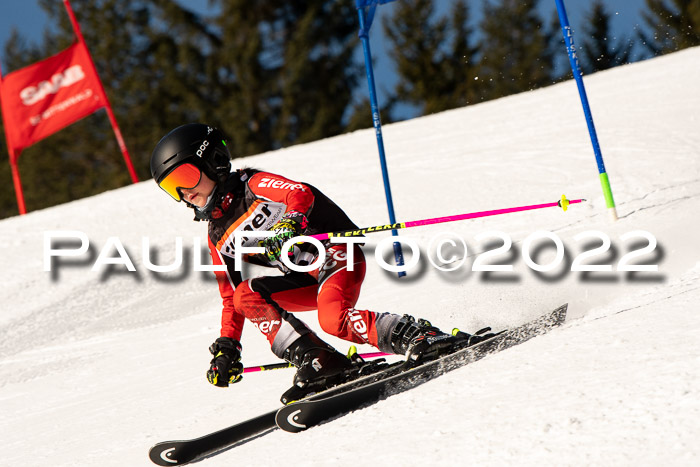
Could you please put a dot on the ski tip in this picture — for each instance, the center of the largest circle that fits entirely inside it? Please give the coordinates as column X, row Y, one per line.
column 167, row 454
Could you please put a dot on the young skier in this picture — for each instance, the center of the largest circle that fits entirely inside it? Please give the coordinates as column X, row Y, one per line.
column 192, row 164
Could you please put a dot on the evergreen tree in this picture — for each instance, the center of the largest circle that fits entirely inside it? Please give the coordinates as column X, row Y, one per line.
column 561, row 69
column 287, row 70
column 515, row 49
column 318, row 77
column 434, row 58
column 67, row 165
column 245, row 91
column 17, row 54
column 461, row 65
column 360, row 115
column 598, row 50
column 149, row 92
column 268, row 73
column 674, row 27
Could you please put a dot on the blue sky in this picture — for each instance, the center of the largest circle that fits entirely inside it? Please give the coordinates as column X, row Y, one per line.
column 30, row 20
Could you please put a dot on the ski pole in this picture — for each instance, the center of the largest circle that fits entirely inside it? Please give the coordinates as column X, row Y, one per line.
column 562, row 203
column 282, row 365
column 272, row 366
column 578, row 77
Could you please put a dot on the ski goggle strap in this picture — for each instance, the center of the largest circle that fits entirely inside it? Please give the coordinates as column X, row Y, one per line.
column 184, row 176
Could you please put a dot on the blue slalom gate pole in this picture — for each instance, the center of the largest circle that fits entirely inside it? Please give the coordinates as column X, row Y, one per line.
column 365, row 24
column 578, row 76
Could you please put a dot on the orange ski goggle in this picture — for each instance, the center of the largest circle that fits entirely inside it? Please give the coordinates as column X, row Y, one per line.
column 184, row 176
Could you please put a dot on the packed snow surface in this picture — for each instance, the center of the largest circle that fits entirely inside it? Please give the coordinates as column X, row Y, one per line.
column 98, row 365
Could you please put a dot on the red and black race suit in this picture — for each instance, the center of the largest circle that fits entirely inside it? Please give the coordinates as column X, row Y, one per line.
column 257, row 202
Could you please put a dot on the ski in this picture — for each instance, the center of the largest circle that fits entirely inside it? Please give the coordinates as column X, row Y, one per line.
column 342, row 399
column 345, row 398
column 181, row 452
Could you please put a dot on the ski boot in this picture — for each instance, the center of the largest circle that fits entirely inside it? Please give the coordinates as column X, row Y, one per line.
column 420, row 341
column 319, row 367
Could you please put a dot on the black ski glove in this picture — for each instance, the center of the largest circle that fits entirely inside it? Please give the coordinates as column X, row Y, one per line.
column 226, row 367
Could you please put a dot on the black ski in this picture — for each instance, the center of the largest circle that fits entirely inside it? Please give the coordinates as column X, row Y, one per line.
column 182, row 452
column 345, row 398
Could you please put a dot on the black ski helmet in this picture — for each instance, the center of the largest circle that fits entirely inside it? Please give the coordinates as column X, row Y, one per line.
column 199, row 144
column 196, row 143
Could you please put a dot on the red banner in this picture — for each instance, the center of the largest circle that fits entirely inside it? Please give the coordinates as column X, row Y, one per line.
column 47, row 96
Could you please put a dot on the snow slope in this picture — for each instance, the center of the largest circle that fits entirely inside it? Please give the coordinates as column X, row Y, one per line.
column 97, row 366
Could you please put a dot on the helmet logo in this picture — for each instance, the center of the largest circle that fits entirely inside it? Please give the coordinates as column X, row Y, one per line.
column 202, row 147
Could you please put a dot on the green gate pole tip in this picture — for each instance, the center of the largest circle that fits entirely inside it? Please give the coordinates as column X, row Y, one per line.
column 607, row 192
